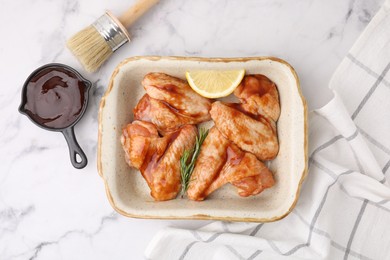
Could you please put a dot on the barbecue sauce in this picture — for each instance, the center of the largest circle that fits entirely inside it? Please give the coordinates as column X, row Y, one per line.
column 55, row 97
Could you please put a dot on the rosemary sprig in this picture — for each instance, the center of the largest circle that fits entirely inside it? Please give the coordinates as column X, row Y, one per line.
column 186, row 167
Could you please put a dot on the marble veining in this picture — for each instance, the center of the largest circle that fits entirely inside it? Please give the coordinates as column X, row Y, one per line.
column 48, row 209
column 81, row 233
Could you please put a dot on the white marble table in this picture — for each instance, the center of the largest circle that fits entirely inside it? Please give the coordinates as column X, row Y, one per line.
column 48, row 209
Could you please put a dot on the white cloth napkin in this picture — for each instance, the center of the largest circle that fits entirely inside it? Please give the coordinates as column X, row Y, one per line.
column 344, row 209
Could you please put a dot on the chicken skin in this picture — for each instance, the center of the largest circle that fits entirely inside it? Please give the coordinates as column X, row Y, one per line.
column 208, row 165
column 157, row 158
column 254, row 185
column 259, row 96
column 254, row 134
column 220, row 162
column 178, row 94
column 162, row 115
column 170, row 103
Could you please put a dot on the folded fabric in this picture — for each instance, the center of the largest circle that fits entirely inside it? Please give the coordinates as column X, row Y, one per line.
column 343, row 211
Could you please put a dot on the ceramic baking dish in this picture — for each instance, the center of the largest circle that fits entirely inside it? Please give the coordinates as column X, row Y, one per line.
column 128, row 192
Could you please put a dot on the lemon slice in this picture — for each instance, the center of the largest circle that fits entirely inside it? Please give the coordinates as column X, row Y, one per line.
column 214, row 83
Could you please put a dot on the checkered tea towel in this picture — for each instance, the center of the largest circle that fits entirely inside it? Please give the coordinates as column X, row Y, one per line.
column 343, row 211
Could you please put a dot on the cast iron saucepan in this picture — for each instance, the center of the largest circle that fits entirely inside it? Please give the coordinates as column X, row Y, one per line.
column 55, row 97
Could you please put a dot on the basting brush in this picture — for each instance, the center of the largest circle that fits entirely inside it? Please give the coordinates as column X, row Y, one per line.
column 93, row 45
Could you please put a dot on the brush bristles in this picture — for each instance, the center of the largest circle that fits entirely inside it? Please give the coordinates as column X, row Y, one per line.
column 90, row 48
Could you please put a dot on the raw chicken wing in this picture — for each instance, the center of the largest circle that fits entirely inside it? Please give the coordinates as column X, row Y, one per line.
column 170, row 103
column 254, row 134
column 161, row 114
column 220, row 162
column 158, row 158
column 210, row 161
column 259, row 96
column 178, row 94
column 254, row 185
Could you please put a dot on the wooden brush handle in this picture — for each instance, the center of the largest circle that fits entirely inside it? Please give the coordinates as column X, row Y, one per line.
column 136, row 11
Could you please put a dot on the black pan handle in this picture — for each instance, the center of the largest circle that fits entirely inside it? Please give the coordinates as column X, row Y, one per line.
column 74, row 149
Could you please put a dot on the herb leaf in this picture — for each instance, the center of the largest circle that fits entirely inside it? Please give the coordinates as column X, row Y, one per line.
column 186, row 166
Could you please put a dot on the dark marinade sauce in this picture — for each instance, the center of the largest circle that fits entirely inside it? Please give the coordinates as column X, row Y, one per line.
column 55, row 97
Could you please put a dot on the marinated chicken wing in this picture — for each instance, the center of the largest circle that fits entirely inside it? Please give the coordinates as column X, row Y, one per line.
column 254, row 185
column 170, row 103
column 259, row 96
column 220, row 162
column 254, row 134
column 161, row 114
column 208, row 165
column 136, row 140
column 241, row 168
column 158, row 158
column 178, row 94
